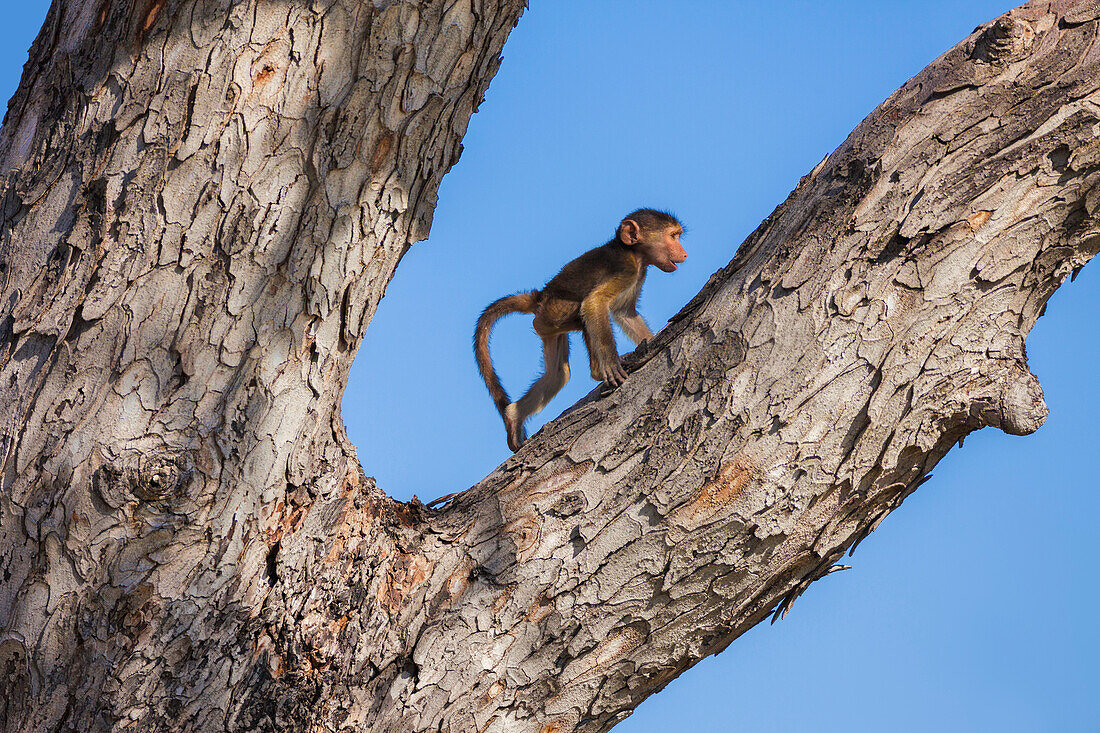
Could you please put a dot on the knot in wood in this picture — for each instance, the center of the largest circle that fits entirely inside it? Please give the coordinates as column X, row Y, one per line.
column 1010, row 400
column 147, row 478
column 568, row 504
column 1003, row 42
column 1023, row 409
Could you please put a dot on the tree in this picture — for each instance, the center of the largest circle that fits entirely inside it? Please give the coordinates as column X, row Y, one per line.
column 188, row 537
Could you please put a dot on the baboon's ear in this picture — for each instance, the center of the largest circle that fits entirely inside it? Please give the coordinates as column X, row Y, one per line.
column 629, row 232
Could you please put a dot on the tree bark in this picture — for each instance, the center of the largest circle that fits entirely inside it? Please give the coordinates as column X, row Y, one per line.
column 203, row 202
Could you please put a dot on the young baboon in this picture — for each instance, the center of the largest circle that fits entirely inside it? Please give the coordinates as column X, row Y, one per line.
column 603, row 282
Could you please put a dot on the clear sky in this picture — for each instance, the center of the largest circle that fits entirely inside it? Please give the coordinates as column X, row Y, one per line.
column 971, row 608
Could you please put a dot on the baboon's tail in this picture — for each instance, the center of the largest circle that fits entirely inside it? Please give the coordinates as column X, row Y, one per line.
column 518, row 303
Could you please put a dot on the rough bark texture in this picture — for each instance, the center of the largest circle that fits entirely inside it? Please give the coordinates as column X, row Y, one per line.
column 198, row 224
column 203, row 203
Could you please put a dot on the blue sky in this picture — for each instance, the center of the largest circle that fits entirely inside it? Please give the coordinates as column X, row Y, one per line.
column 973, row 607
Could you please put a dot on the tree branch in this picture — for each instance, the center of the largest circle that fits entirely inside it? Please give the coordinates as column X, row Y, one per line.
column 875, row 319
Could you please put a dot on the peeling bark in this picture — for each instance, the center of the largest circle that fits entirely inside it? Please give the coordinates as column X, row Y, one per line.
column 203, row 202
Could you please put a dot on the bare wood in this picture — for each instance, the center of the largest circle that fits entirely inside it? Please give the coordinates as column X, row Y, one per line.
column 188, row 541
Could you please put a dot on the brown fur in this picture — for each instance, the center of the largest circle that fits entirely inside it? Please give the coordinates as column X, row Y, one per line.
column 518, row 303
column 601, row 283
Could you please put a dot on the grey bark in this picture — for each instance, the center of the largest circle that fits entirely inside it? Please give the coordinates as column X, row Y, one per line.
column 203, row 202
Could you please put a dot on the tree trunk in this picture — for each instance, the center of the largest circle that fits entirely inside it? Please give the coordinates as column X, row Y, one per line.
column 203, row 202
